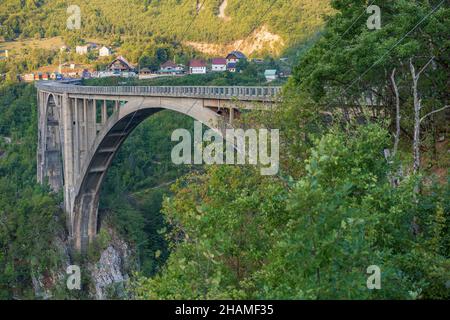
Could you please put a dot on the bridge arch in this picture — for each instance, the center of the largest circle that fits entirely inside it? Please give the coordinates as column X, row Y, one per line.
column 72, row 123
column 84, row 213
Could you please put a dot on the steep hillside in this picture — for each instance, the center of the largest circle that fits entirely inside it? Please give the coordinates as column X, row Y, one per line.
column 217, row 21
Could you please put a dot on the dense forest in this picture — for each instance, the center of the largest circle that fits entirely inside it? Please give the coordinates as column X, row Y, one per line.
column 360, row 183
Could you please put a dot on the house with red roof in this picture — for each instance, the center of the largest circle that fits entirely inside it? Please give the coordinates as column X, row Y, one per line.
column 197, row 67
column 219, row 64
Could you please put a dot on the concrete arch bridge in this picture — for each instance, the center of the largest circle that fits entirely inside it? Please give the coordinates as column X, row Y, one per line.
column 81, row 129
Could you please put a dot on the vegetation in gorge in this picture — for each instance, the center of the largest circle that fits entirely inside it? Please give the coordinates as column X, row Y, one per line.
column 30, row 217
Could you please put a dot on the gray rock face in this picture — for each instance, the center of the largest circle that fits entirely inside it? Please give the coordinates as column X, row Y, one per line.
column 108, row 274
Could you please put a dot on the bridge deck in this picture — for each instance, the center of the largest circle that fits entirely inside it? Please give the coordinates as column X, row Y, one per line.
column 204, row 92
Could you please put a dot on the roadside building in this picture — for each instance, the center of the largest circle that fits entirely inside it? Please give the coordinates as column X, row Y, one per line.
column 145, row 72
column 172, row 68
column 219, row 64
column 85, row 74
column 55, row 76
column 29, row 77
column 120, row 65
column 197, row 67
column 271, row 75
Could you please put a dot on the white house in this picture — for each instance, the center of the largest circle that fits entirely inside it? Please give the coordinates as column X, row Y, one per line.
column 271, row 75
column 104, row 52
column 82, row 50
column 219, row 64
column 172, row 68
column 197, row 67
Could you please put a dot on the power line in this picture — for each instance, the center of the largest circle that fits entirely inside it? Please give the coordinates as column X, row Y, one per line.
column 195, row 17
column 390, row 49
column 257, row 24
column 348, row 29
column 395, row 45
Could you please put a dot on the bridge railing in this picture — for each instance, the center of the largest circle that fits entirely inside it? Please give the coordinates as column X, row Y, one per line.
column 227, row 93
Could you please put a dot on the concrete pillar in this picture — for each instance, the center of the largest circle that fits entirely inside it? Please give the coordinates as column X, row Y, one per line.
column 91, row 122
column 40, row 151
column 104, row 112
column 76, row 139
column 83, row 139
column 68, row 150
column 231, row 115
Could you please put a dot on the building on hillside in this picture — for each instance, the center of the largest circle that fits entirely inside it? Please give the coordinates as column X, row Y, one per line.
column 285, row 73
column 104, row 52
column 258, row 61
column 145, row 72
column 170, row 67
column 92, row 45
column 197, row 67
column 85, row 49
column 86, row 74
column 55, row 76
column 218, row 64
column 271, row 75
column 235, row 57
column 4, row 54
column 82, row 50
column 120, row 65
column 45, row 76
column 232, row 67
column 29, row 77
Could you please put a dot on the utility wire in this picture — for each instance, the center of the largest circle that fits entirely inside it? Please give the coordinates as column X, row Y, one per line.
column 389, row 50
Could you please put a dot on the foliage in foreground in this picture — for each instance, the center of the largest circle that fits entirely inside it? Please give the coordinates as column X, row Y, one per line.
column 240, row 235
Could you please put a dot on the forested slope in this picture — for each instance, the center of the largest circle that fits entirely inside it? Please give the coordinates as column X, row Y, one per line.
column 294, row 20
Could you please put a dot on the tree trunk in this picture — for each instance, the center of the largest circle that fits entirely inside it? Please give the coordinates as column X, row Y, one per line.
column 417, row 103
column 397, row 114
